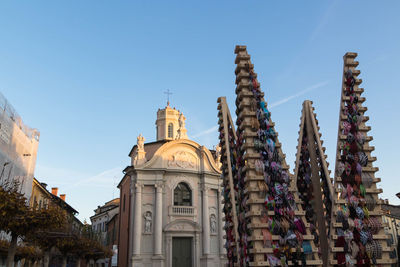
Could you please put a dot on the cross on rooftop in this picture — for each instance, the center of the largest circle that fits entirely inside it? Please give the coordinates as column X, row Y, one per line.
column 168, row 93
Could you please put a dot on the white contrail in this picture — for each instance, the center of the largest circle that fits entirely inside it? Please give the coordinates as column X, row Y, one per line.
column 282, row 101
column 99, row 179
column 208, row 131
column 329, row 12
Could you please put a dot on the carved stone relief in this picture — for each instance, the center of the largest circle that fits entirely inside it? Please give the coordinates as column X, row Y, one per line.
column 178, row 227
column 182, row 159
column 182, row 226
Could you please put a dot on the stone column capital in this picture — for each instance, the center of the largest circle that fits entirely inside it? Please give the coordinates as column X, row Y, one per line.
column 159, row 187
column 139, row 187
column 205, row 189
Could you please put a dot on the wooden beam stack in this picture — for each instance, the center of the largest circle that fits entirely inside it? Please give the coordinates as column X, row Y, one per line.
column 227, row 136
column 272, row 226
column 357, row 230
column 313, row 179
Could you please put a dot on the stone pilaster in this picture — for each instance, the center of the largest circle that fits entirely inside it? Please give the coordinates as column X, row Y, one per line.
column 221, row 225
column 206, row 224
column 158, row 221
column 131, row 214
column 137, row 230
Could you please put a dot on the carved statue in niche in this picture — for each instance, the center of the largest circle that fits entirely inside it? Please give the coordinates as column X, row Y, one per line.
column 147, row 222
column 213, row 224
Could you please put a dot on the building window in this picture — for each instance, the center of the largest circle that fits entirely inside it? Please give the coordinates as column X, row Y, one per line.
column 182, row 195
column 170, row 130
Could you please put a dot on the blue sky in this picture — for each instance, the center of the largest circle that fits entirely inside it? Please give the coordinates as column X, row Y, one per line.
column 90, row 75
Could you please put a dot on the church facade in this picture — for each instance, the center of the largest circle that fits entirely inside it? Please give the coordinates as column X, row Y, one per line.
column 170, row 201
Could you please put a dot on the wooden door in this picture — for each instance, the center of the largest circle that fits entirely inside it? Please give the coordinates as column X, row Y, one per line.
column 181, row 252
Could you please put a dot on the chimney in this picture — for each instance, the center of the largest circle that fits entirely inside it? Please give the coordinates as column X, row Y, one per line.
column 54, row 191
column 62, row 196
column 44, row 185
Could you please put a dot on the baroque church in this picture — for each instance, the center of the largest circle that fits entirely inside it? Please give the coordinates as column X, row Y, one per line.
column 171, row 201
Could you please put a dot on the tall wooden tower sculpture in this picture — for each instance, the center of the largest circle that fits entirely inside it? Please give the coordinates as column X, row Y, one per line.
column 272, row 227
column 358, row 235
column 313, row 179
column 227, row 136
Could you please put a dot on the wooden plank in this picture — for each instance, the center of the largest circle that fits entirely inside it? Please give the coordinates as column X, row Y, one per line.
column 272, row 213
column 308, row 263
column 271, row 250
column 375, row 237
column 386, row 261
column 276, row 237
column 341, row 249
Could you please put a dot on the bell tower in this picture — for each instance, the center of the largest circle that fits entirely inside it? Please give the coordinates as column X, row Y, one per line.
column 170, row 124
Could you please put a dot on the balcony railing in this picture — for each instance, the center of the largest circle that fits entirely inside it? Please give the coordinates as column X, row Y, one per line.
column 182, row 210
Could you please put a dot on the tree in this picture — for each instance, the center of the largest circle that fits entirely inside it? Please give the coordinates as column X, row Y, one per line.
column 46, row 228
column 13, row 210
column 4, row 245
column 18, row 220
column 66, row 246
column 89, row 245
column 54, row 227
column 82, row 243
column 29, row 253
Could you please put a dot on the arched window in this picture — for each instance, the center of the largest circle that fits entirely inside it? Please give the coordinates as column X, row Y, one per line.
column 170, row 130
column 182, row 195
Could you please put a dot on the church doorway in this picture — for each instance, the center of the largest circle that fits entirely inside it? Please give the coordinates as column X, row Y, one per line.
column 182, row 252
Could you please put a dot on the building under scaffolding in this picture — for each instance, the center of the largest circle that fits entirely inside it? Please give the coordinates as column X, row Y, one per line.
column 18, row 148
